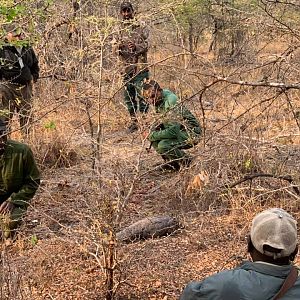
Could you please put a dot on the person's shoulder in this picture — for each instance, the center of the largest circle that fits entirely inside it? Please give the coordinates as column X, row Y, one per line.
column 170, row 97
column 28, row 47
column 139, row 21
column 141, row 25
column 224, row 277
column 6, row 47
column 17, row 146
column 213, row 286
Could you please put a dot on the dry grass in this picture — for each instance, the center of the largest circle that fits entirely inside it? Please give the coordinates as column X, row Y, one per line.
column 67, row 214
column 58, row 253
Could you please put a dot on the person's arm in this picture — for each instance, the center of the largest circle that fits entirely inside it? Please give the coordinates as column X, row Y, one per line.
column 142, row 44
column 171, row 132
column 192, row 292
column 115, row 39
column 191, row 121
column 115, row 44
column 34, row 69
column 224, row 285
column 31, row 181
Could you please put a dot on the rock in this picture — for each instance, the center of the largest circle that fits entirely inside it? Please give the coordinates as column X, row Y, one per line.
column 151, row 227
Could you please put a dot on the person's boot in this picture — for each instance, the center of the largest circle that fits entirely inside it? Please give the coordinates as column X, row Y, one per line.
column 172, row 166
column 133, row 126
column 186, row 161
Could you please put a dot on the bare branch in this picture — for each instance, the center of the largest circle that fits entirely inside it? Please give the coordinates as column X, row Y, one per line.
column 253, row 176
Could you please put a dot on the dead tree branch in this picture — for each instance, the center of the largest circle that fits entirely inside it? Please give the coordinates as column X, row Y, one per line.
column 253, row 176
column 281, row 85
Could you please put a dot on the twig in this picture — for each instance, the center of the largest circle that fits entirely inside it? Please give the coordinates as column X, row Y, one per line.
column 292, row 109
column 252, row 176
column 53, row 76
column 281, row 85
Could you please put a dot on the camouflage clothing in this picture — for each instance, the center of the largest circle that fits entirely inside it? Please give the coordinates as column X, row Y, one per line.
column 178, row 128
column 134, row 61
column 19, row 180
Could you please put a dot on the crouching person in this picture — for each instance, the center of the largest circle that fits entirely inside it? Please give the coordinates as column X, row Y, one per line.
column 178, row 128
column 19, row 180
column 273, row 246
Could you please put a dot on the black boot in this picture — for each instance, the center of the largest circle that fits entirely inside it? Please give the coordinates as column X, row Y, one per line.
column 176, row 165
column 185, row 161
column 171, row 166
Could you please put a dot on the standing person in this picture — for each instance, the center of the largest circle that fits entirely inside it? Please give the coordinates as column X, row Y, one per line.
column 178, row 128
column 273, row 247
column 19, row 180
column 131, row 45
column 19, row 67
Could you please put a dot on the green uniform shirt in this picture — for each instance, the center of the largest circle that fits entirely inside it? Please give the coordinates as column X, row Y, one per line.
column 176, row 119
column 19, row 175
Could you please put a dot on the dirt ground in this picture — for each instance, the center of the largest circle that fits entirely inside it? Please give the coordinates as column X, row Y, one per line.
column 57, row 254
column 249, row 109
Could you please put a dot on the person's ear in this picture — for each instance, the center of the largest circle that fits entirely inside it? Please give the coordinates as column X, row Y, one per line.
column 294, row 254
column 250, row 246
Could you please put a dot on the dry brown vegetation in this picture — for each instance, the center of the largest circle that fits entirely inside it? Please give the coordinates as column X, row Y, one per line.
column 96, row 178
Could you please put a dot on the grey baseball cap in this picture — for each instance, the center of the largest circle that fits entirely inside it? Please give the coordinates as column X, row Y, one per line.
column 275, row 228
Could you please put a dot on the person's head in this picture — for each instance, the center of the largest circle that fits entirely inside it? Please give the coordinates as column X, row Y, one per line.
column 13, row 32
column 152, row 92
column 273, row 237
column 3, row 135
column 126, row 10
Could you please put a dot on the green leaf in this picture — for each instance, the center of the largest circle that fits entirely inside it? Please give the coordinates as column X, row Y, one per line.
column 248, row 164
column 50, row 125
column 34, row 240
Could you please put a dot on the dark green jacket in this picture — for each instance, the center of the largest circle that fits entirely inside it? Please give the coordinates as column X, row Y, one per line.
column 178, row 122
column 10, row 68
column 250, row 281
column 19, row 175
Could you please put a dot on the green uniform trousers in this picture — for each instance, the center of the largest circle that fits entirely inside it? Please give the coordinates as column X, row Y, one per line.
column 132, row 94
column 172, row 149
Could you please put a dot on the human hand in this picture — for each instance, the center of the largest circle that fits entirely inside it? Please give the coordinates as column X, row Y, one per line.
column 131, row 45
column 6, row 207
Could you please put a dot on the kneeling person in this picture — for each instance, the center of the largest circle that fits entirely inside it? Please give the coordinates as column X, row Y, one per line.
column 19, row 180
column 178, row 128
